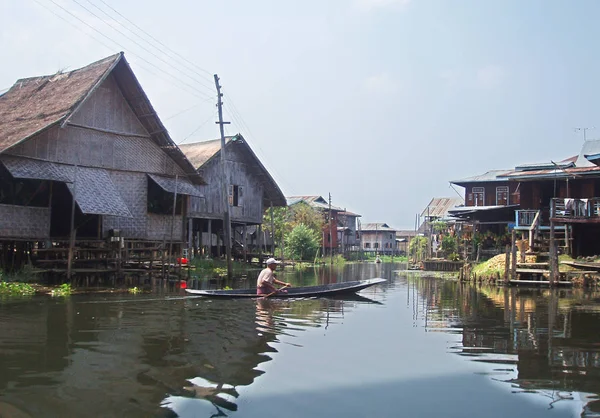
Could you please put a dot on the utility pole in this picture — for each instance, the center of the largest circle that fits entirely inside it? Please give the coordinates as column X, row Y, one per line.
column 226, row 219
column 330, row 234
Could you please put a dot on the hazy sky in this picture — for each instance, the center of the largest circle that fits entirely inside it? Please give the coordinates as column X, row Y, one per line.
column 380, row 102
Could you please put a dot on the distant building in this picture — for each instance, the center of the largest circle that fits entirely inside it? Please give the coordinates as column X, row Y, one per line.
column 379, row 238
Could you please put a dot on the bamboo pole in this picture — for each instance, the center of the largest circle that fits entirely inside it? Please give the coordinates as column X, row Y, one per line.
column 513, row 258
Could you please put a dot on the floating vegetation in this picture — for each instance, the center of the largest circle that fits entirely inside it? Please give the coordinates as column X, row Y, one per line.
column 62, row 290
column 15, row 288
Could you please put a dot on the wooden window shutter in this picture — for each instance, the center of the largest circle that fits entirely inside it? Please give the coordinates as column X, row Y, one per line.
column 231, row 195
column 240, row 191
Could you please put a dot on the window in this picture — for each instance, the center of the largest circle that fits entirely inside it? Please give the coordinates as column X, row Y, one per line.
column 376, row 245
column 161, row 202
column 391, row 236
column 367, row 245
column 478, row 196
column 235, row 195
column 502, row 195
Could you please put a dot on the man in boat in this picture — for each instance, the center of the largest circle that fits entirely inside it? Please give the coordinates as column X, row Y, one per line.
column 265, row 284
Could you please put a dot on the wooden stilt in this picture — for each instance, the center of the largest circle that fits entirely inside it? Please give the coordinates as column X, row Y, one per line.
column 513, row 257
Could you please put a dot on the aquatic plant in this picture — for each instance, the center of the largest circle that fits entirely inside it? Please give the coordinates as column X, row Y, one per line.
column 62, row 290
column 15, row 288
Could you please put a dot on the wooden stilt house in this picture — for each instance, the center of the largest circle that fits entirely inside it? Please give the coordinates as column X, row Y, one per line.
column 251, row 191
column 85, row 151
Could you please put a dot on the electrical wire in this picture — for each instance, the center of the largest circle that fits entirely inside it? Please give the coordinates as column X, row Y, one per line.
column 187, row 110
column 116, row 43
column 197, row 129
column 161, row 46
column 139, row 44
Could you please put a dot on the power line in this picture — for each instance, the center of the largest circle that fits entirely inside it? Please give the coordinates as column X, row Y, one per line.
column 138, row 44
column 164, row 48
column 237, row 117
column 116, row 43
column 188, row 109
column 198, row 128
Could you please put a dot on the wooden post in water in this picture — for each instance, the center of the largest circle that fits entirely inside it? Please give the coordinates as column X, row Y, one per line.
column 507, row 266
column 245, row 242
column 553, row 263
column 513, row 255
column 73, row 231
column 210, row 239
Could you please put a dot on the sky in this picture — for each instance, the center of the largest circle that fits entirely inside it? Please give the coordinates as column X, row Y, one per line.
column 379, row 102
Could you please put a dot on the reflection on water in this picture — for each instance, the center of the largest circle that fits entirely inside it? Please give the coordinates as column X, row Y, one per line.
column 394, row 347
column 539, row 340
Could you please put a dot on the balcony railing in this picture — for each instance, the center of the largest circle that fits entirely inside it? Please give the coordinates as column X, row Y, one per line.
column 525, row 218
column 575, row 208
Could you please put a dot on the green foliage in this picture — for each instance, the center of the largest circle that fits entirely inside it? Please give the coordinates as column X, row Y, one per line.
column 449, row 245
column 135, row 290
column 62, row 290
column 302, row 243
column 439, row 226
column 418, row 247
column 303, row 214
column 14, row 288
column 227, row 288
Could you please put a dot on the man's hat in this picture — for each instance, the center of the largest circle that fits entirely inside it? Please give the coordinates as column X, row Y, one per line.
column 272, row 261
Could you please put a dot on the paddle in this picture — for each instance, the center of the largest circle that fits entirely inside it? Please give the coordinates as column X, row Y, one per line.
column 278, row 290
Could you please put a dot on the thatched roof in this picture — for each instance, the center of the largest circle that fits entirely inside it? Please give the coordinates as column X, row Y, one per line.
column 200, row 153
column 35, row 104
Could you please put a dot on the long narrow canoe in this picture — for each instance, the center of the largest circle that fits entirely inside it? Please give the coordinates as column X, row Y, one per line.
column 294, row 292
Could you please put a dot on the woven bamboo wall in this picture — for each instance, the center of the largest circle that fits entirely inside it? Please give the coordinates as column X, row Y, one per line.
column 24, row 222
column 250, row 209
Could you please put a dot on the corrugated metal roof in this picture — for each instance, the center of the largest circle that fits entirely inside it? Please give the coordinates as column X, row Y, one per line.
column 376, row 226
column 95, row 193
column 317, row 202
column 588, row 148
column 439, row 206
column 492, row 175
column 346, row 213
column 182, row 185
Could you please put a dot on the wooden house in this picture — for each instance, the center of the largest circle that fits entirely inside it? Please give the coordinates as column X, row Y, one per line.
column 348, row 235
column 490, row 203
column 251, row 191
column 564, row 193
column 379, row 238
column 88, row 141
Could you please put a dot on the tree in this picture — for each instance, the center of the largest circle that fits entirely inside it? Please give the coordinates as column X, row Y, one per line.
column 302, row 243
column 280, row 222
column 303, row 214
column 418, row 247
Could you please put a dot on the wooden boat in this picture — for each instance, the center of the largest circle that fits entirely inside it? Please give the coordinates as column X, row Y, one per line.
column 294, row 292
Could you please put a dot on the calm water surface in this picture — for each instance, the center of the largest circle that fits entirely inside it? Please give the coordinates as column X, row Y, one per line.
column 412, row 347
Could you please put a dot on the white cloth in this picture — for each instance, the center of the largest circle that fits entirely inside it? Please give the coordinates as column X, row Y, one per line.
column 265, row 276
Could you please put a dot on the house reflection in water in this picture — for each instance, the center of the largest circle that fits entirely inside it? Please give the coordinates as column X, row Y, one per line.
column 225, row 352
column 551, row 339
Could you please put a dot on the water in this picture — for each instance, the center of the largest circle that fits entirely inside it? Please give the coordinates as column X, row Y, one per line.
column 413, row 347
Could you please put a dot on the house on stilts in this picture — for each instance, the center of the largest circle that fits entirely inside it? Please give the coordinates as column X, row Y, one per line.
column 85, row 152
column 251, row 191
